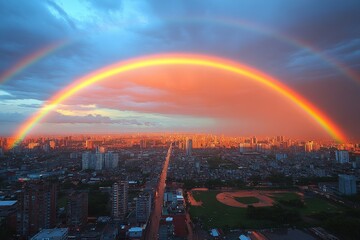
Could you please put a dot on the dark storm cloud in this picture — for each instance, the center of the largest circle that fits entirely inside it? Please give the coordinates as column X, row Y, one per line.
column 117, row 30
column 28, row 25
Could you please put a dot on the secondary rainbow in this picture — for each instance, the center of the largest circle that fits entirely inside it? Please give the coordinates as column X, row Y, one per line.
column 31, row 59
column 179, row 59
column 297, row 42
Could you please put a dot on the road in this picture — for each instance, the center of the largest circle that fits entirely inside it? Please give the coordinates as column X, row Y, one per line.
column 151, row 231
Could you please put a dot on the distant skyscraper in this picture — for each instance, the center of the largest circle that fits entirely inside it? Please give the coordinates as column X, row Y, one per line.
column 36, row 208
column 347, row 184
column 342, row 156
column 98, row 161
column 279, row 138
column 309, row 146
column 119, row 200
column 188, row 147
column 89, row 144
column 143, row 207
column 77, row 209
column 86, row 161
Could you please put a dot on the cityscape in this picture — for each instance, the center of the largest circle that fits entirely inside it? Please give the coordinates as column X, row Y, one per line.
column 179, row 120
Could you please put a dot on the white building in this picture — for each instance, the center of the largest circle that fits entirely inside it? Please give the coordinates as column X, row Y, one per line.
column 99, row 161
column 342, row 156
column 111, row 160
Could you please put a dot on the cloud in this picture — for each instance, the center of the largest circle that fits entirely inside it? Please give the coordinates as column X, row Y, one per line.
column 100, row 33
column 57, row 117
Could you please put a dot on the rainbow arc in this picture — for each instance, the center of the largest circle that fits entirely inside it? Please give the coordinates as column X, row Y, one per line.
column 179, row 59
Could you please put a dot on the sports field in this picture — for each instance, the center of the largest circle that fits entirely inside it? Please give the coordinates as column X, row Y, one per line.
column 229, row 209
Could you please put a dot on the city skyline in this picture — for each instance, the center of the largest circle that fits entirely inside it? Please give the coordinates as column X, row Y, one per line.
column 50, row 46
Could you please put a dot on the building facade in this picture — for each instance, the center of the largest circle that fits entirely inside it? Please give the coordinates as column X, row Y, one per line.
column 347, row 184
column 36, row 207
column 119, row 200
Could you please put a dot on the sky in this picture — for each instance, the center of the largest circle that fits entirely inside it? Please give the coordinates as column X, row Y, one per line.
column 313, row 47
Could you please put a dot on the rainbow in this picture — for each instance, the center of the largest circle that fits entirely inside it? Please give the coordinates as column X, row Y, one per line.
column 30, row 60
column 178, row 59
column 237, row 23
column 260, row 29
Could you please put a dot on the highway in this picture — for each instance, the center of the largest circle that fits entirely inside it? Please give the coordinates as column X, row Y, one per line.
column 151, row 231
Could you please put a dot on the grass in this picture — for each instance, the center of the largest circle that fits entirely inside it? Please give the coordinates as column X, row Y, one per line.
column 247, row 200
column 285, row 196
column 312, row 205
column 316, row 205
column 215, row 214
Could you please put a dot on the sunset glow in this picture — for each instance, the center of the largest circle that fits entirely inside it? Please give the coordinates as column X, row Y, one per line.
column 179, row 59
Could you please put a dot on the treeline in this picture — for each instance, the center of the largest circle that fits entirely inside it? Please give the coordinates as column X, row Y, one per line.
column 212, row 183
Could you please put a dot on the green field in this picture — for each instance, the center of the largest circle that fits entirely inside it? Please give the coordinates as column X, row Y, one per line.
column 215, row 214
column 247, row 200
column 311, row 205
column 212, row 213
column 316, row 205
column 285, row 196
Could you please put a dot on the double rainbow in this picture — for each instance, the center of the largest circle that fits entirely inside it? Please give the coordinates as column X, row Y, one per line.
column 31, row 59
column 179, row 59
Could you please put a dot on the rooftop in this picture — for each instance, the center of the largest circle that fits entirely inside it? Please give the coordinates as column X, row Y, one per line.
column 7, row 203
column 54, row 232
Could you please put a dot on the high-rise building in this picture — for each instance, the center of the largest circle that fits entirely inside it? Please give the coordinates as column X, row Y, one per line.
column 119, row 200
column 347, row 184
column 111, row 160
column 143, row 207
column 77, row 209
column 188, row 147
column 342, row 156
column 36, row 207
column 99, row 161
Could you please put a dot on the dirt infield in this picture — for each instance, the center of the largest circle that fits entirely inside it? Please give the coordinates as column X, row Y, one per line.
column 192, row 200
column 228, row 198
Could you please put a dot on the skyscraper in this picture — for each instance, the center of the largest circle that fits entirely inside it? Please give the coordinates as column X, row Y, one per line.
column 111, row 160
column 188, row 147
column 342, row 156
column 77, row 209
column 143, row 207
column 119, row 200
column 36, row 207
